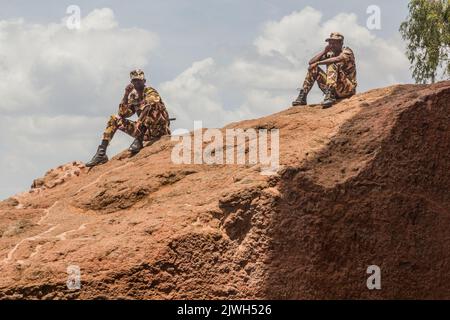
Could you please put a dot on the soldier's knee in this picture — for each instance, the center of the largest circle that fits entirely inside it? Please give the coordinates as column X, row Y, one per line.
column 114, row 121
column 313, row 70
column 114, row 118
column 316, row 72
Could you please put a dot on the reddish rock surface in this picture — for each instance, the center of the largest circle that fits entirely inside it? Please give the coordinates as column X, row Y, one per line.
column 365, row 182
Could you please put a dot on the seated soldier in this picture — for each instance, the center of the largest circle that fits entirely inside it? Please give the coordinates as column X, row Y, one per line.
column 153, row 119
column 339, row 80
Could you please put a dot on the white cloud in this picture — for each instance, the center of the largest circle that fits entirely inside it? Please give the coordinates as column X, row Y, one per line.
column 30, row 145
column 99, row 19
column 51, row 69
column 193, row 96
column 266, row 81
column 262, row 75
column 59, row 87
column 294, row 37
column 298, row 36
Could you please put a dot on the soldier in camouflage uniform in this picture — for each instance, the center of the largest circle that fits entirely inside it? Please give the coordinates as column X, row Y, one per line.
column 153, row 119
column 339, row 80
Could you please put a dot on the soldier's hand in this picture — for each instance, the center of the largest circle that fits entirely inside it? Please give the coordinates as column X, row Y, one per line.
column 312, row 66
column 129, row 88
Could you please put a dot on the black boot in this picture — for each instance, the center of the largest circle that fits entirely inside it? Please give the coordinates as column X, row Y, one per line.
column 136, row 146
column 330, row 98
column 301, row 99
column 99, row 158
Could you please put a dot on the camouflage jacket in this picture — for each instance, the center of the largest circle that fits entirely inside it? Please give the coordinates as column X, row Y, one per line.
column 132, row 103
column 348, row 64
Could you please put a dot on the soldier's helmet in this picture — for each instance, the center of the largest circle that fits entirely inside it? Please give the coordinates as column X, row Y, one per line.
column 335, row 36
column 137, row 74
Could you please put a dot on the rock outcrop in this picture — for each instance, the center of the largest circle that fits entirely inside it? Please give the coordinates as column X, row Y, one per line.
column 363, row 183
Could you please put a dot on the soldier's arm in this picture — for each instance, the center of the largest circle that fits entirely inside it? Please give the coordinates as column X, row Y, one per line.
column 320, row 55
column 125, row 110
column 317, row 57
column 332, row 60
column 344, row 56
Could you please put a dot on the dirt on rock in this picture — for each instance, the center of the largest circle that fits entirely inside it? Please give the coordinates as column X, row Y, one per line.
column 363, row 183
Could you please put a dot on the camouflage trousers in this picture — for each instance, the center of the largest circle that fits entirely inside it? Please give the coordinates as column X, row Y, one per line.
column 151, row 130
column 334, row 78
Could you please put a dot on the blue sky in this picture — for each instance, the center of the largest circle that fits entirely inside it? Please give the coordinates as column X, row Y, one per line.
column 216, row 61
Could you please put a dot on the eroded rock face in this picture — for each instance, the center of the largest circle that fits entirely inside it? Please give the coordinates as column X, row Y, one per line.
column 57, row 176
column 362, row 183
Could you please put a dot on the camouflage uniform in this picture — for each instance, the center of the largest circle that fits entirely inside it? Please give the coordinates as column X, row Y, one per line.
column 339, row 76
column 154, row 125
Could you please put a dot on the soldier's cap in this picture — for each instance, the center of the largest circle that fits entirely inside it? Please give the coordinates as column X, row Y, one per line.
column 335, row 36
column 137, row 74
